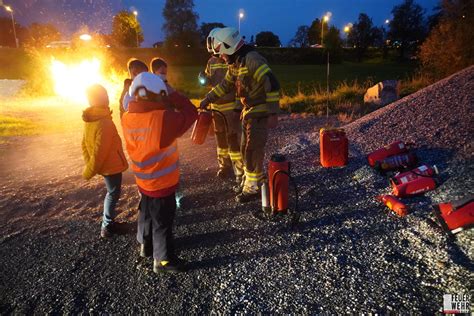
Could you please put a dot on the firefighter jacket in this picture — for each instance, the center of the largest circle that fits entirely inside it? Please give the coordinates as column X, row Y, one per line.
column 150, row 130
column 216, row 69
column 254, row 82
column 101, row 144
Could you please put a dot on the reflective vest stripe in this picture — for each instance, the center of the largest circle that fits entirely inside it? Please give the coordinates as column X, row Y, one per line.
column 168, row 152
column 218, row 91
column 222, row 151
column 228, row 77
column 242, row 71
column 219, row 66
column 157, row 174
column 253, row 176
column 223, row 107
column 262, row 70
column 235, row 155
column 256, row 109
column 273, row 96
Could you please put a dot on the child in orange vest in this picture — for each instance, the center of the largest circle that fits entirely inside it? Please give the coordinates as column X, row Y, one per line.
column 102, row 152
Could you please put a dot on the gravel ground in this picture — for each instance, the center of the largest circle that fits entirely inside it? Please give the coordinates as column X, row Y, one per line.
column 347, row 254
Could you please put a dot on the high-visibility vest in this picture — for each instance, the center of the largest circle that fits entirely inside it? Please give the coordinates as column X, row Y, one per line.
column 155, row 168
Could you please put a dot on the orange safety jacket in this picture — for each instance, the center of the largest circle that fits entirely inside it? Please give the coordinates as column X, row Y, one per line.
column 155, row 168
column 150, row 130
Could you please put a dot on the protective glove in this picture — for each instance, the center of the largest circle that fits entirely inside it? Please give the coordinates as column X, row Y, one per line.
column 204, row 103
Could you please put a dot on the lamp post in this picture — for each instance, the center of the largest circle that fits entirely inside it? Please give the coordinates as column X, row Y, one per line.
column 9, row 9
column 135, row 13
column 241, row 16
column 325, row 19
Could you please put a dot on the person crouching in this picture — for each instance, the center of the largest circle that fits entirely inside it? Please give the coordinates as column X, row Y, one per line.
column 155, row 119
column 102, row 152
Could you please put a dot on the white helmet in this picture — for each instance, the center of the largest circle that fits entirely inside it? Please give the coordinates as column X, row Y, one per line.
column 210, row 40
column 147, row 82
column 227, row 41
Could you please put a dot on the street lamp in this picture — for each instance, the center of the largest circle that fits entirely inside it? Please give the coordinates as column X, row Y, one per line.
column 387, row 21
column 241, row 16
column 325, row 19
column 9, row 9
column 135, row 13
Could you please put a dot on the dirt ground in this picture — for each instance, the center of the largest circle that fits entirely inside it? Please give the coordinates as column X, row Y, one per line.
column 347, row 254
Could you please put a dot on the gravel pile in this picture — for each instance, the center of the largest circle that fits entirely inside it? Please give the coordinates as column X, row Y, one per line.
column 347, row 254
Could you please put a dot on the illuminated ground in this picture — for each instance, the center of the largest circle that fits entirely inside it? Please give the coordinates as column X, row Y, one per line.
column 346, row 255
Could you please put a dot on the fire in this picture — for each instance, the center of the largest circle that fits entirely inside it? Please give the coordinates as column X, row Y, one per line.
column 72, row 80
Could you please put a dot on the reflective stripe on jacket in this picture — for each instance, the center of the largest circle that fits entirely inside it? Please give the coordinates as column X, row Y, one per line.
column 155, row 168
column 255, row 85
column 216, row 69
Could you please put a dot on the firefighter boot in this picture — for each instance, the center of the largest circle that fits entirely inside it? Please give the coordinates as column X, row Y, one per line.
column 245, row 197
column 249, row 193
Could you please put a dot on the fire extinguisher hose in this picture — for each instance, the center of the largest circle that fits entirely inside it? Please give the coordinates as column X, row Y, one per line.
column 223, row 117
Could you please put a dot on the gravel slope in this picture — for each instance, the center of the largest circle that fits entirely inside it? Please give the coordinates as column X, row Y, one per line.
column 346, row 255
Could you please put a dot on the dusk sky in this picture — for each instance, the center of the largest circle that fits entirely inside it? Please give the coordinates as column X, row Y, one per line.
column 279, row 16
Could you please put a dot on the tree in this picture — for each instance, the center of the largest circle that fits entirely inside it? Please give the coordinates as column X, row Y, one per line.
column 267, row 39
column 301, row 37
column 314, row 32
column 39, row 35
column 180, row 23
column 206, row 28
column 407, row 25
column 332, row 39
column 126, row 29
column 362, row 35
column 449, row 47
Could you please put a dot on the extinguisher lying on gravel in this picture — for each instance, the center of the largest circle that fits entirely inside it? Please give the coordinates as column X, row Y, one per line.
column 275, row 193
column 414, row 182
column 397, row 162
column 395, row 148
column 456, row 216
column 394, row 204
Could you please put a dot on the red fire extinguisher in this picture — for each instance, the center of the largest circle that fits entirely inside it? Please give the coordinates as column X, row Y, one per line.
column 394, row 204
column 416, row 181
column 380, row 154
column 275, row 194
column 201, row 127
column 457, row 215
column 395, row 162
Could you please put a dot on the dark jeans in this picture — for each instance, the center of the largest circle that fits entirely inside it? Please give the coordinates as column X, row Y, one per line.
column 155, row 225
column 113, row 184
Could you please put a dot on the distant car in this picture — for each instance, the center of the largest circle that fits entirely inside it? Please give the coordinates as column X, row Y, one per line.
column 59, row 44
column 316, row 46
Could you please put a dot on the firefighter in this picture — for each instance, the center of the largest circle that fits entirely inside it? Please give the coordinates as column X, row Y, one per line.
column 155, row 119
column 225, row 115
column 258, row 90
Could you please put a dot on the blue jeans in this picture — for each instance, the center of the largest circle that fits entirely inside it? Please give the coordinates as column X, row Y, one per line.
column 113, row 184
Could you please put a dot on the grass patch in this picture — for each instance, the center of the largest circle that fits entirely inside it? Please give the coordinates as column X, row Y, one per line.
column 14, row 126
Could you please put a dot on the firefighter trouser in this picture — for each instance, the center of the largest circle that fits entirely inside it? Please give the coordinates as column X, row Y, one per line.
column 228, row 143
column 155, row 225
column 254, row 138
